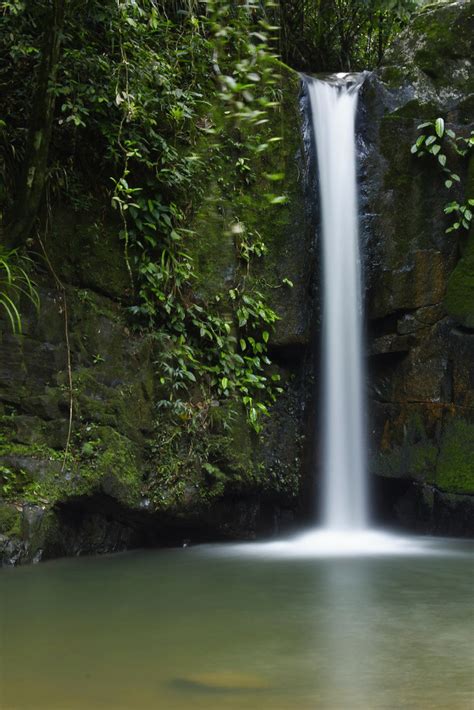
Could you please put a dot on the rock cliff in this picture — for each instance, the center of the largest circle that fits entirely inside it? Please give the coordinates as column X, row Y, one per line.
column 420, row 278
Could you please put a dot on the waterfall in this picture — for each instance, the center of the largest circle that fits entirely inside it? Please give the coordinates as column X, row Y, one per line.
column 344, row 496
column 345, row 531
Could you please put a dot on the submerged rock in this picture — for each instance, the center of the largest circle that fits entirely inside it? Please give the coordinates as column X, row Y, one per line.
column 222, row 681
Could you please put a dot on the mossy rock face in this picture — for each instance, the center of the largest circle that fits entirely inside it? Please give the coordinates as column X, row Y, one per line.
column 407, row 444
column 10, row 520
column 25, row 531
column 119, row 456
column 459, row 300
column 434, row 54
column 419, row 279
column 460, row 290
column 431, row 447
column 86, row 251
column 455, row 467
column 101, row 460
column 285, row 230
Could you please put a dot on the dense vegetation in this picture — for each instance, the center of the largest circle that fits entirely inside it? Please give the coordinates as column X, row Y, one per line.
column 340, row 35
column 102, row 88
column 136, row 85
column 127, row 111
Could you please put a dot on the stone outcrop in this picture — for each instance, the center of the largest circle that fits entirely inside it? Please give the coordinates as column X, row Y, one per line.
column 420, row 280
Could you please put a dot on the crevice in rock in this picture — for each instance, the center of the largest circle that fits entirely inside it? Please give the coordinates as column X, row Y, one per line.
column 385, row 363
column 424, row 402
column 288, row 355
column 385, row 493
column 463, row 330
column 387, row 325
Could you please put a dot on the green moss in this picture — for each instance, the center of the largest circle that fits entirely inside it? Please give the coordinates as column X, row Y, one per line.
column 434, row 47
column 36, row 451
column 108, row 462
column 242, row 198
column 101, row 459
column 423, row 459
column 413, row 454
column 455, row 469
column 414, row 109
column 124, row 406
column 441, row 35
column 393, row 76
column 413, row 460
column 86, row 251
column 116, row 466
column 10, row 520
column 459, row 300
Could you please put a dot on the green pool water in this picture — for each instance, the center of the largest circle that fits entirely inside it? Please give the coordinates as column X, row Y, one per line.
column 217, row 627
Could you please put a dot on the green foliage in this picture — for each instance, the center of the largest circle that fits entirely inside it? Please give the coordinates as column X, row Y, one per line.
column 17, row 484
column 10, row 520
column 455, row 468
column 340, row 35
column 440, row 142
column 202, row 349
column 148, row 97
column 15, row 283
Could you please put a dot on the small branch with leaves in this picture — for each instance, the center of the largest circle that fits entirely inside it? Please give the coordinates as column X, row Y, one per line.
column 437, row 140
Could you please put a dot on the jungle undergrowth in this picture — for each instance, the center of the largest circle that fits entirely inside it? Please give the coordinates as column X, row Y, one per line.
column 150, row 101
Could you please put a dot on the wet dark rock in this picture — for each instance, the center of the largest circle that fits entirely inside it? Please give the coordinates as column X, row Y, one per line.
column 420, row 280
column 428, row 510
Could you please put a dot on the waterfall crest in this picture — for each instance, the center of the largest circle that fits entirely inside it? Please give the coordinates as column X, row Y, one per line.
column 333, row 106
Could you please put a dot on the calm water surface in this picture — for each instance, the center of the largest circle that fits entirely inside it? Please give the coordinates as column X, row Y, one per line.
column 212, row 628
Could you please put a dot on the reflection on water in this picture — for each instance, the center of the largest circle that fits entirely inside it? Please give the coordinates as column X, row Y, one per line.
column 211, row 628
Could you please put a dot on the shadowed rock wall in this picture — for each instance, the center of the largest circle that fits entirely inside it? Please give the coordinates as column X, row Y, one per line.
column 420, row 280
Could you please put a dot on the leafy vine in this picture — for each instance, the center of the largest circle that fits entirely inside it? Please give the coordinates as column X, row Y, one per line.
column 438, row 141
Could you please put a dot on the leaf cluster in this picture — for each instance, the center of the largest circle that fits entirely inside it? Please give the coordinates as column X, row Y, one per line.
column 439, row 141
column 15, row 283
column 137, row 96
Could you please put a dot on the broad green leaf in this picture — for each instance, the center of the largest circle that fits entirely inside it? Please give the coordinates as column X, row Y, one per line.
column 439, row 127
column 424, row 125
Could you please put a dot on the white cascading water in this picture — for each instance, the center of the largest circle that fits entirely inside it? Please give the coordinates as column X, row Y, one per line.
column 333, row 106
column 345, row 529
